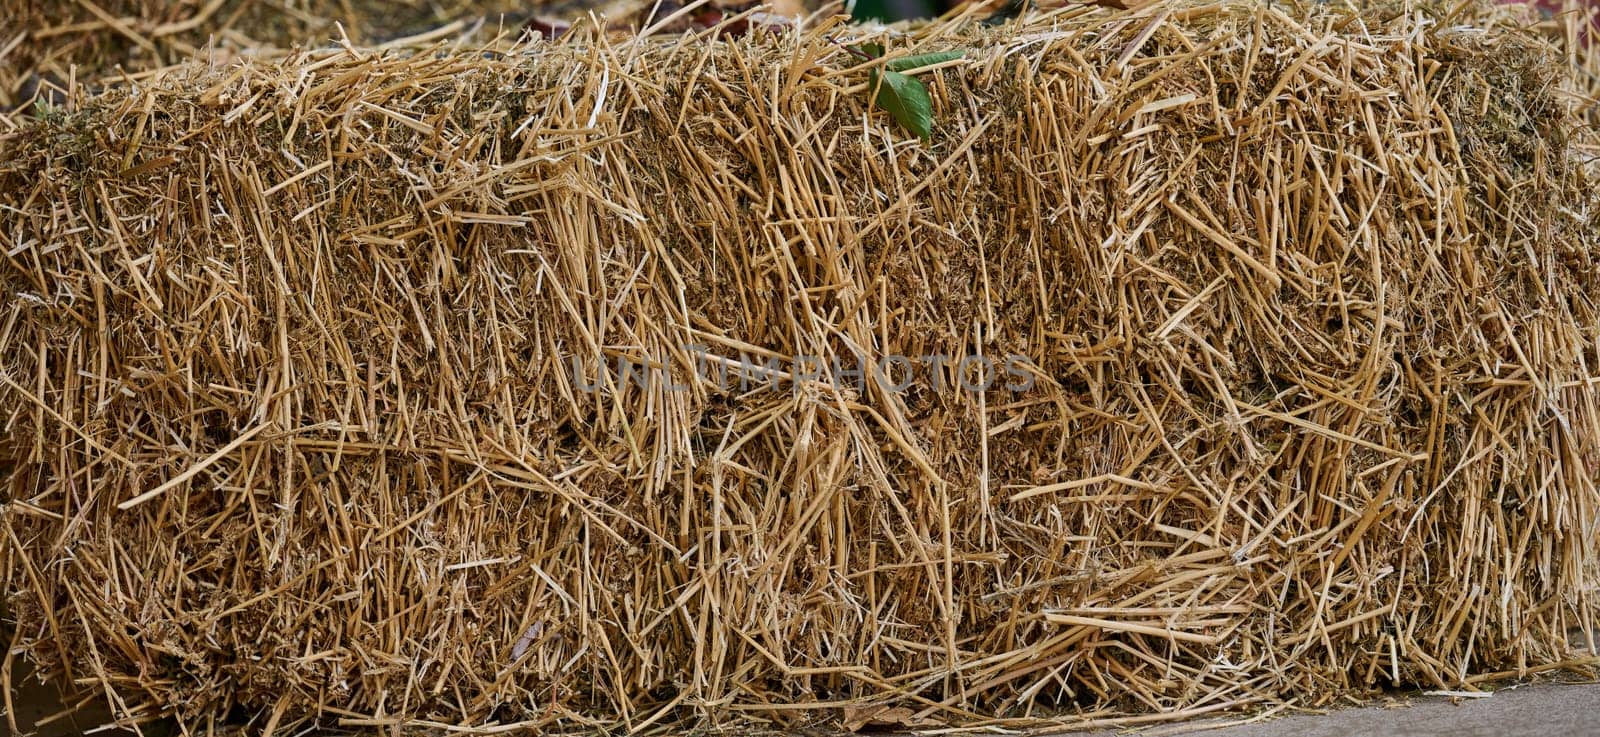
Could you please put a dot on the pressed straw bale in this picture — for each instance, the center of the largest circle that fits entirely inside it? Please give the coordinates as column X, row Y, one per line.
column 1577, row 30
column 1308, row 296
column 87, row 42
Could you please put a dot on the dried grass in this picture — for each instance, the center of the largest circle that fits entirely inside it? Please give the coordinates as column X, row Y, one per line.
column 64, row 42
column 1310, row 294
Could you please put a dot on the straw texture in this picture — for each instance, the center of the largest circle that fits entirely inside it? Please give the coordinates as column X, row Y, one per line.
column 1306, row 295
column 65, row 43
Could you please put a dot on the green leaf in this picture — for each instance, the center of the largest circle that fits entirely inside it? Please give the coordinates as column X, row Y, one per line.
column 918, row 61
column 907, row 100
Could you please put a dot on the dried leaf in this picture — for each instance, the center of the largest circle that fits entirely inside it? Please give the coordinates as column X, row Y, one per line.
column 858, row 718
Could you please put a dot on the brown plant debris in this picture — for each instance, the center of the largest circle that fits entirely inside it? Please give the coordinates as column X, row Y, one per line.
column 1307, row 295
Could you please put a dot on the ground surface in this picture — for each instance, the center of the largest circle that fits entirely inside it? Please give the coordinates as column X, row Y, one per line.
column 1545, row 710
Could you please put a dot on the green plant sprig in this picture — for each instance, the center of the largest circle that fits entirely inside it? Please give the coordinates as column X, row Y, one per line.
column 900, row 93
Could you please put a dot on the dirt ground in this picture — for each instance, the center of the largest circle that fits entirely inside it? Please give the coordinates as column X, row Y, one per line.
column 1541, row 710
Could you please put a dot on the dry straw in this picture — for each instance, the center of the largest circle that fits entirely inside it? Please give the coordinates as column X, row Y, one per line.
column 99, row 36
column 1309, row 294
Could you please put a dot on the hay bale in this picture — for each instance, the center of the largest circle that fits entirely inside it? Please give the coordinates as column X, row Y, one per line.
column 53, row 51
column 1578, row 33
column 1305, row 298
column 87, row 43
